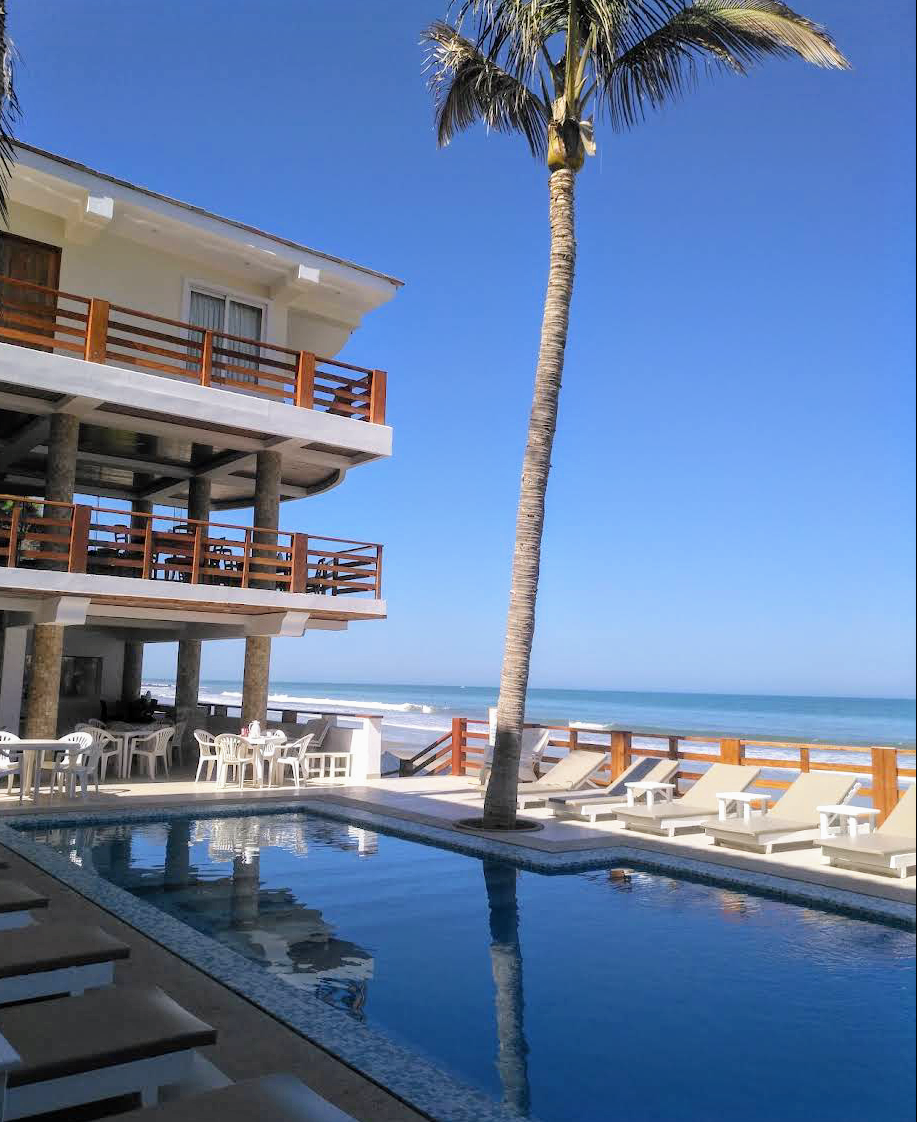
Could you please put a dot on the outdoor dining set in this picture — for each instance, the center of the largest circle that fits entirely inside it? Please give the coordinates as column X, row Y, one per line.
column 84, row 757
column 268, row 759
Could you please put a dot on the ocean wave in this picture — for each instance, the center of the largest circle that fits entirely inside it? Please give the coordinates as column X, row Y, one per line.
column 297, row 701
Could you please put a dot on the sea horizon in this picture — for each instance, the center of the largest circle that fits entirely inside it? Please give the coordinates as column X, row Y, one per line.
column 416, row 713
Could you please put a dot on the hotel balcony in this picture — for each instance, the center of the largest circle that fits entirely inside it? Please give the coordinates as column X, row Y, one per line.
column 113, row 568
column 148, row 388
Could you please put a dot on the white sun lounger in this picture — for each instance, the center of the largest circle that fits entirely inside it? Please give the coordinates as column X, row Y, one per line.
column 795, row 817
column 891, row 848
column 602, row 802
column 569, row 774
column 534, row 742
column 696, row 808
column 55, row 958
column 115, row 1041
column 274, row 1098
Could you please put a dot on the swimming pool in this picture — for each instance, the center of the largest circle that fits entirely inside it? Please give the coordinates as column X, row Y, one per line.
column 599, row 995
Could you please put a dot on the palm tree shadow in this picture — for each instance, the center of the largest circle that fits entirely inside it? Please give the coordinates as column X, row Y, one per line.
column 509, row 1002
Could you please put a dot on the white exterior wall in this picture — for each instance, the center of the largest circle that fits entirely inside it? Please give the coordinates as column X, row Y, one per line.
column 137, row 276
column 78, row 641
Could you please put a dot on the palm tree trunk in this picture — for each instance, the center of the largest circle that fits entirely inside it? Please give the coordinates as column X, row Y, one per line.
column 500, row 801
column 509, row 1002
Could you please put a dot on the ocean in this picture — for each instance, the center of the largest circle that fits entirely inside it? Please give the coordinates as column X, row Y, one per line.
column 415, row 715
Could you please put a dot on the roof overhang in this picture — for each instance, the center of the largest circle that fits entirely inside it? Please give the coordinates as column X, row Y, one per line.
column 91, row 202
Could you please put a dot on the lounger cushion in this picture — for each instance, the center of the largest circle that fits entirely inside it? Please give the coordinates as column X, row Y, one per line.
column 16, row 897
column 876, row 843
column 56, row 946
column 101, row 1028
column 661, row 812
column 273, row 1098
column 759, row 827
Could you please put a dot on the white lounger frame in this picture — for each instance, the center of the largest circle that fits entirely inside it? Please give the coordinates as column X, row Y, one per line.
column 898, row 864
column 68, row 980
column 186, row 1071
column 10, row 921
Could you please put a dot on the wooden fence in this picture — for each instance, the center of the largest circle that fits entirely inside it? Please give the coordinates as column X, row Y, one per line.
column 74, row 538
column 48, row 319
column 462, row 749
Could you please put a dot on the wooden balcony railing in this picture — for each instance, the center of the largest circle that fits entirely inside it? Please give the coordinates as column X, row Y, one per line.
column 461, row 752
column 98, row 331
column 75, row 538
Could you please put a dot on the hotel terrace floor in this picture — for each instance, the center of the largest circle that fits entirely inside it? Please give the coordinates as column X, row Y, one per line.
column 442, row 800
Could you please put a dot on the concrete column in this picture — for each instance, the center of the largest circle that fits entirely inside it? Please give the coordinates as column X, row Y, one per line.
column 258, row 647
column 188, row 668
column 48, row 638
column 13, row 670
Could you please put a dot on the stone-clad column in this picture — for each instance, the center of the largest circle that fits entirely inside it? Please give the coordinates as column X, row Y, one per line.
column 48, row 638
column 258, row 647
column 188, row 668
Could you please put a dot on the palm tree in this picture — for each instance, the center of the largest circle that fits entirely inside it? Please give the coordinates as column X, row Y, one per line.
column 9, row 109
column 545, row 68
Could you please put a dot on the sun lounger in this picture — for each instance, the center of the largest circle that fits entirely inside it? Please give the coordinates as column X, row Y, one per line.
column 569, row 774
column 891, row 848
column 54, row 958
column 16, row 904
column 274, row 1098
column 534, row 742
column 114, row 1041
column 793, row 819
column 695, row 809
column 605, row 801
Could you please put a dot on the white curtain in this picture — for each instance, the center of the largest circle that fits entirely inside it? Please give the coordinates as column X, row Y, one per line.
column 222, row 314
column 205, row 311
column 244, row 320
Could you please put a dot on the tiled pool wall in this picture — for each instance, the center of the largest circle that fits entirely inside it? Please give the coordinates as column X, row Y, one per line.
column 413, row 1078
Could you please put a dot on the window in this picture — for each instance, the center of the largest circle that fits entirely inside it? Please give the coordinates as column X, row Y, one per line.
column 232, row 361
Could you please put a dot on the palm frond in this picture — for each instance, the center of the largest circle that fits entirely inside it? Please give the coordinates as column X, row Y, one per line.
column 9, row 110
column 469, row 86
column 733, row 34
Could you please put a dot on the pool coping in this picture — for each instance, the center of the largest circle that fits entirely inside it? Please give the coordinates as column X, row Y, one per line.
column 414, row 1078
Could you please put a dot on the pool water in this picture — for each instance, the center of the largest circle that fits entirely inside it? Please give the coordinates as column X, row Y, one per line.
column 616, row 994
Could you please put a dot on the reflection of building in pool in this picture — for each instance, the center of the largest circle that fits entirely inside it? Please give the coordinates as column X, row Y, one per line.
column 265, row 925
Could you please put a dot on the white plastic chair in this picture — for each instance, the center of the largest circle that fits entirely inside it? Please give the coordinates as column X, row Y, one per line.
column 80, row 765
column 291, row 756
column 151, row 747
column 209, row 756
column 109, row 745
column 10, row 762
column 236, row 754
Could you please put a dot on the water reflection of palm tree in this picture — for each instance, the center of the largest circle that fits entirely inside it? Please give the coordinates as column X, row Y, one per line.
column 506, row 962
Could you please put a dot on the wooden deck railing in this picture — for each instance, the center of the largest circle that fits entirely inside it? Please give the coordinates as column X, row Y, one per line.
column 461, row 752
column 75, row 538
column 48, row 319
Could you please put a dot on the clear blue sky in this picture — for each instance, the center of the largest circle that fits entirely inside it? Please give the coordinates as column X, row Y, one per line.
column 732, row 500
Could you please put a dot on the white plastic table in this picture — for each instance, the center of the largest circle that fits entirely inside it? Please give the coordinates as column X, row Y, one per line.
column 744, row 798
column 651, row 789
column 33, row 772
column 853, row 815
column 126, row 734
